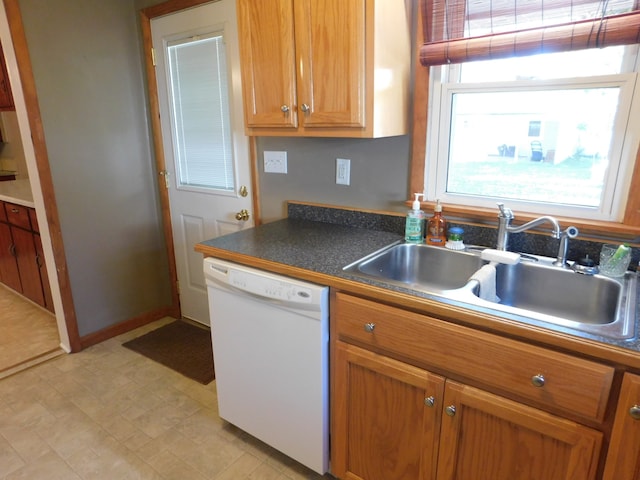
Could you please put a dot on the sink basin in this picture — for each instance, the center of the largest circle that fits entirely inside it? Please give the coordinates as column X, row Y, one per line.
column 420, row 267
column 589, row 303
column 530, row 291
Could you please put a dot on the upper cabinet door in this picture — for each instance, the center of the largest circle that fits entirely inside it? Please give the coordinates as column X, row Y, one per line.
column 267, row 55
column 330, row 50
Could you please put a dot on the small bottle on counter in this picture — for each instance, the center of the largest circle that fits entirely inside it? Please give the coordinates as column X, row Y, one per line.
column 414, row 225
column 436, row 227
column 454, row 239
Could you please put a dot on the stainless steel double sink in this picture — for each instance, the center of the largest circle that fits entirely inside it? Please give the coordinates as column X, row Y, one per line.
column 532, row 289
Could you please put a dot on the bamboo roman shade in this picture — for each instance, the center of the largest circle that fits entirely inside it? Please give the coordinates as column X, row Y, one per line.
column 458, row 31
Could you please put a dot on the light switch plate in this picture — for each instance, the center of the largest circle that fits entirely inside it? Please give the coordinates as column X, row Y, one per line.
column 275, row 162
column 343, row 171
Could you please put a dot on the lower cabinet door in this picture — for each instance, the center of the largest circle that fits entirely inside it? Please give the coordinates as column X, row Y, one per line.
column 487, row 437
column 28, row 265
column 9, row 274
column 44, row 277
column 623, row 458
column 387, row 421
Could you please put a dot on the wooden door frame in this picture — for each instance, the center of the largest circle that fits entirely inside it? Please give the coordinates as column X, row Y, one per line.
column 25, row 72
column 146, row 15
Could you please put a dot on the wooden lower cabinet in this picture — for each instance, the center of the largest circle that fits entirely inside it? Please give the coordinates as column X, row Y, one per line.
column 386, row 418
column 22, row 265
column 487, row 437
column 27, row 259
column 395, row 421
column 623, row 458
column 9, row 274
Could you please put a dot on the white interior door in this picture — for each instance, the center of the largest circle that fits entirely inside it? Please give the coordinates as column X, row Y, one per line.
column 206, row 151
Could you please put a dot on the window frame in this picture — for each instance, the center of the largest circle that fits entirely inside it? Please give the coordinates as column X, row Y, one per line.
column 628, row 228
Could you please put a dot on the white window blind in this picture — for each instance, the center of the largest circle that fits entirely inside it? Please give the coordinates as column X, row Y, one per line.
column 202, row 127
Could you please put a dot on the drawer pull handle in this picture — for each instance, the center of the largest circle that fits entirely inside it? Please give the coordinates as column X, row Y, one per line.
column 430, row 401
column 538, row 380
column 15, row 210
column 368, row 327
column 635, row 412
column 450, row 410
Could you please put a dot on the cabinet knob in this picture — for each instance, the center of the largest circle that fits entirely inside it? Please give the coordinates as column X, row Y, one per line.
column 305, row 108
column 430, row 401
column 450, row 410
column 284, row 108
column 538, row 380
column 368, row 327
column 635, row 412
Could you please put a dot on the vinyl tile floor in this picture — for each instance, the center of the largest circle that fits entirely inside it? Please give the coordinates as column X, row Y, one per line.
column 28, row 333
column 110, row 413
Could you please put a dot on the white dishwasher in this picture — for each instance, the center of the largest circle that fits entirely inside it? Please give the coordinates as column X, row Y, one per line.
column 270, row 339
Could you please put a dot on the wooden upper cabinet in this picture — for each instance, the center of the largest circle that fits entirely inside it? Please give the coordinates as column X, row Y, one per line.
column 268, row 63
column 328, row 68
column 6, row 97
column 623, row 458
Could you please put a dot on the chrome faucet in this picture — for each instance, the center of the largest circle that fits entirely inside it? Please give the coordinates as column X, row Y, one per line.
column 565, row 235
column 504, row 226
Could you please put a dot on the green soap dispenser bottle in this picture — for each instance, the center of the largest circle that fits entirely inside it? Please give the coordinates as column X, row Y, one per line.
column 414, row 225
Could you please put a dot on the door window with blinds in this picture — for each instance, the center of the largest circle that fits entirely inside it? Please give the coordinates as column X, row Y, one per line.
column 533, row 103
column 198, row 89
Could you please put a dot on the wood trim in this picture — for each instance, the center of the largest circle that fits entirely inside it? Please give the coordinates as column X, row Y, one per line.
column 632, row 212
column 420, row 101
column 123, row 327
column 171, row 6
column 154, row 110
column 255, row 184
column 27, row 81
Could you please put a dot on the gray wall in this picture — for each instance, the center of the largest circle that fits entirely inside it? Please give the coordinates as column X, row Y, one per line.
column 89, row 78
column 379, row 173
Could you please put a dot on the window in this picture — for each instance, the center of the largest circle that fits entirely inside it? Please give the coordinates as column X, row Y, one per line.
column 523, row 110
column 548, row 133
column 200, row 113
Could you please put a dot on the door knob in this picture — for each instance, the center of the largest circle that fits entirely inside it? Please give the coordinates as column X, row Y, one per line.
column 243, row 215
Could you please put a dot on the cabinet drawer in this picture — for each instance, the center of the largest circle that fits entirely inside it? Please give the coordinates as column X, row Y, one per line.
column 565, row 383
column 18, row 215
column 3, row 214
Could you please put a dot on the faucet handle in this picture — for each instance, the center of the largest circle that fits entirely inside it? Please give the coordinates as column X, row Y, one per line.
column 505, row 212
column 571, row 232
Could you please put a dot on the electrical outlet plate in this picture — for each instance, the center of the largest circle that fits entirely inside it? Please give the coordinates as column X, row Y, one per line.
column 343, row 171
column 275, row 162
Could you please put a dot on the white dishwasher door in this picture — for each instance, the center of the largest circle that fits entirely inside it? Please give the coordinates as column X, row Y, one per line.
column 270, row 347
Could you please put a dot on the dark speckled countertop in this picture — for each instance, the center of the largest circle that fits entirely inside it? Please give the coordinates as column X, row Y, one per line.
column 317, row 246
column 324, row 248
